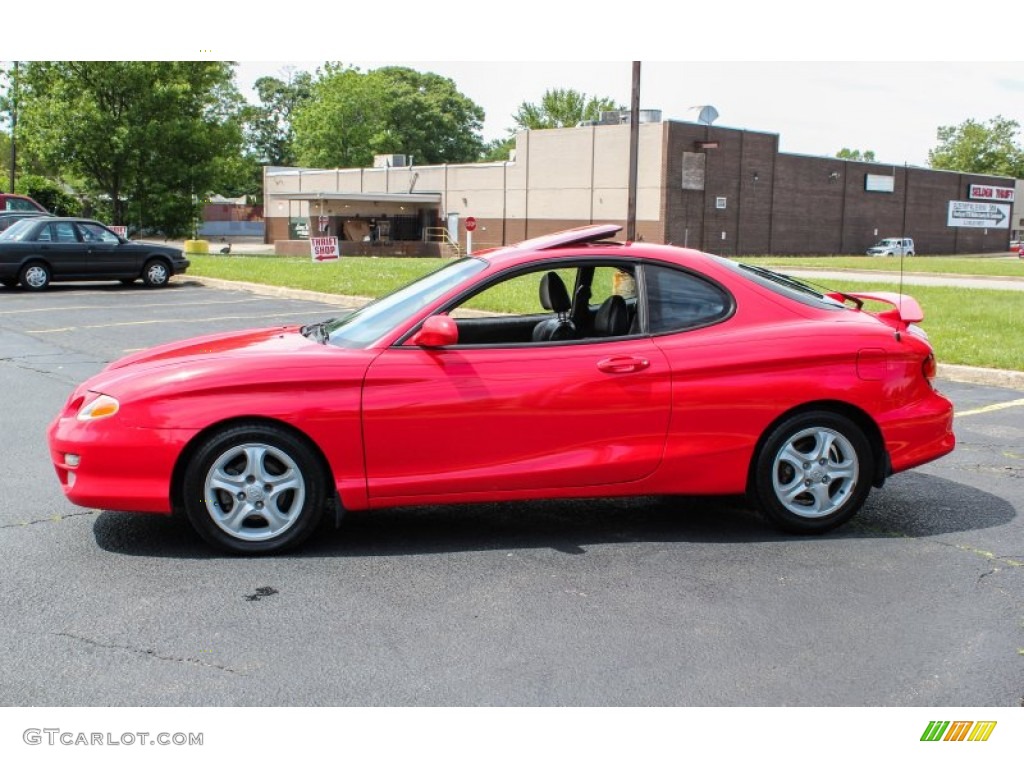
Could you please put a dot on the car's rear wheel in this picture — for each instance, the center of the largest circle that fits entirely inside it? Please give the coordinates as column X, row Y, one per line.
column 35, row 276
column 156, row 273
column 813, row 472
column 254, row 489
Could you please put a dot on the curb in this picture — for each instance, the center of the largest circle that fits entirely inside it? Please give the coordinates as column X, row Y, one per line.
column 964, row 374
column 991, row 377
column 280, row 292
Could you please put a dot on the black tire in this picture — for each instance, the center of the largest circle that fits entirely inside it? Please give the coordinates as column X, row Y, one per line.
column 35, row 276
column 254, row 489
column 156, row 273
column 9, row 282
column 813, row 472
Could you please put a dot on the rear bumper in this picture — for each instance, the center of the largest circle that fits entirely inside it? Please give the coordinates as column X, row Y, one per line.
column 919, row 433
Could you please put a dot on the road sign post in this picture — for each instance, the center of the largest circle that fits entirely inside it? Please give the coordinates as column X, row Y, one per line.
column 470, row 228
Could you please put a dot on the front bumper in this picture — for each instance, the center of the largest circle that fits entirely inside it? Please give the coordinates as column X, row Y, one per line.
column 119, row 467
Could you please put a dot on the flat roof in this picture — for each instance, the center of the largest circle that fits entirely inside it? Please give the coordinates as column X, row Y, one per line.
column 362, row 197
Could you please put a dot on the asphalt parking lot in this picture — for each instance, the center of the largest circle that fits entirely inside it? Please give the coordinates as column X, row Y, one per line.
column 918, row 602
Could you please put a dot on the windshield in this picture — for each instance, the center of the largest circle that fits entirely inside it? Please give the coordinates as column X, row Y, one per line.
column 18, row 229
column 364, row 326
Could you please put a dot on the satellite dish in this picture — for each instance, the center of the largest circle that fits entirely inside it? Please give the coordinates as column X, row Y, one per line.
column 708, row 114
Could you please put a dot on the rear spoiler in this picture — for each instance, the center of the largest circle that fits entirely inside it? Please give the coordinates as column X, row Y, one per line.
column 906, row 309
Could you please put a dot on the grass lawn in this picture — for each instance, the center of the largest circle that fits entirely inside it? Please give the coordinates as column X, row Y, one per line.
column 967, row 326
column 949, row 265
column 350, row 276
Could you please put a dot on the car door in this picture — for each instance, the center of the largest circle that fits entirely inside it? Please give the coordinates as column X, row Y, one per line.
column 59, row 244
column 108, row 256
column 511, row 418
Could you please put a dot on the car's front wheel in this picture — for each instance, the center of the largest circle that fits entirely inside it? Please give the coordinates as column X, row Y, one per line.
column 254, row 489
column 35, row 276
column 813, row 472
column 156, row 273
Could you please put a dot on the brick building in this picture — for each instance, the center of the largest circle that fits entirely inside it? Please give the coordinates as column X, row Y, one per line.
column 718, row 189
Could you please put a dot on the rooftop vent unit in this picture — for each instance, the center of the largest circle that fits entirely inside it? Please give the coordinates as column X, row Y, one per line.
column 390, row 161
column 619, row 116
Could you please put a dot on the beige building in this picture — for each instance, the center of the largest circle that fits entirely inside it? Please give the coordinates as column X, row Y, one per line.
column 554, row 179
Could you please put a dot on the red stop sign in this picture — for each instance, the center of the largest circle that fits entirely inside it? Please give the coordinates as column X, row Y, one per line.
column 470, row 223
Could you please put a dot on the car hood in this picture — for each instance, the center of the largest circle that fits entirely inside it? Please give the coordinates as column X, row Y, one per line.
column 250, row 342
column 242, row 361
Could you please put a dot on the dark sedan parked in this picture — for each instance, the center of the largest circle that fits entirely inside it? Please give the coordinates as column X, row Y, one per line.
column 41, row 250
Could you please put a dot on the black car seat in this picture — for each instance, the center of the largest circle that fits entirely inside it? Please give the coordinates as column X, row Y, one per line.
column 612, row 317
column 580, row 312
column 555, row 298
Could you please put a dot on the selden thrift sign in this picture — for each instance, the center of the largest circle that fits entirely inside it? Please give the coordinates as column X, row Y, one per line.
column 324, row 248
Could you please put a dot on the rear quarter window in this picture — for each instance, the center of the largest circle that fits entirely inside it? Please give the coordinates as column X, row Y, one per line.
column 678, row 300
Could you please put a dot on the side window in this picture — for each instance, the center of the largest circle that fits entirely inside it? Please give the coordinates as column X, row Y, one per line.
column 93, row 233
column 519, row 295
column 677, row 300
column 584, row 302
column 65, row 232
column 20, row 205
column 46, row 234
column 511, row 311
column 612, row 303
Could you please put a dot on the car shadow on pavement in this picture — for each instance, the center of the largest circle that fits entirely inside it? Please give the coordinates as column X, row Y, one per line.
column 919, row 506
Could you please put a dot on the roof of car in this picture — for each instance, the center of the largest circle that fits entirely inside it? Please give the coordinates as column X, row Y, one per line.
column 580, row 238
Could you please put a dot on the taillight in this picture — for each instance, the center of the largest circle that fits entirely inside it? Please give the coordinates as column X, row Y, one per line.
column 929, row 367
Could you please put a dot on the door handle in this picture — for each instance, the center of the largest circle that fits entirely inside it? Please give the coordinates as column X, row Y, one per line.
column 622, row 364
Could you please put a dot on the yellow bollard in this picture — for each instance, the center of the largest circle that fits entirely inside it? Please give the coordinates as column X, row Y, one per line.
column 197, row 246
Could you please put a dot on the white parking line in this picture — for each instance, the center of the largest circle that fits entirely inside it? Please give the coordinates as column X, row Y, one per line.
column 170, row 320
column 157, row 305
column 990, row 408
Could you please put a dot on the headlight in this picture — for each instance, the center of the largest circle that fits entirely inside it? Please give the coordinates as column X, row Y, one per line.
column 100, row 408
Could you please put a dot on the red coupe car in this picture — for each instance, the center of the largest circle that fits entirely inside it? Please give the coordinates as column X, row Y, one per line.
column 565, row 366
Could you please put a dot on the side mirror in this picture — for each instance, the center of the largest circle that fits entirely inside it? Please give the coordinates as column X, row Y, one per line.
column 437, row 331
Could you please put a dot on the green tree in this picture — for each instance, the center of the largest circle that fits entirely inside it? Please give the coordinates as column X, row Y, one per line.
column 5, row 161
column 270, row 137
column 353, row 116
column 855, row 154
column 561, row 108
column 49, row 194
column 151, row 138
column 497, row 150
column 972, row 147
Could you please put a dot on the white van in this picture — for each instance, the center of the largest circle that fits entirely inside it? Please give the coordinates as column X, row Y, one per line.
column 893, row 246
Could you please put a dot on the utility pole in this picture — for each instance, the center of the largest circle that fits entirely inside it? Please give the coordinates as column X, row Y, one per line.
column 14, row 122
column 634, row 143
